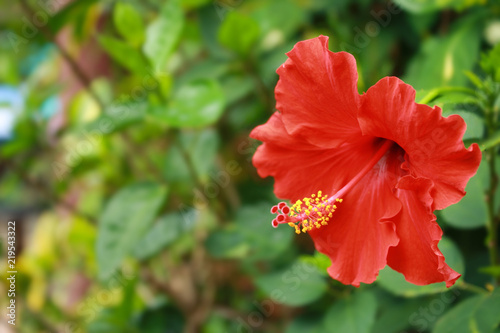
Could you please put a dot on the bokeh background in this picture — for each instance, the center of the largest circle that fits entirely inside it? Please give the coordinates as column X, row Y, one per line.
column 126, row 163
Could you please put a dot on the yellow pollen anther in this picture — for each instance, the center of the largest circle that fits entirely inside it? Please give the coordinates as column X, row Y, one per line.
column 311, row 213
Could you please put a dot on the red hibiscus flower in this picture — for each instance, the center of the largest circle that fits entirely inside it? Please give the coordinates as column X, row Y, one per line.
column 378, row 165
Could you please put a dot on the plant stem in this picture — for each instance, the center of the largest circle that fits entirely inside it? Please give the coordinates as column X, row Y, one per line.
column 472, row 288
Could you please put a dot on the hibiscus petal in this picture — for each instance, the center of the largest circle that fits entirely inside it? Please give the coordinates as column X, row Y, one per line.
column 317, row 93
column 361, row 232
column 300, row 168
column 417, row 255
column 433, row 143
column 274, row 132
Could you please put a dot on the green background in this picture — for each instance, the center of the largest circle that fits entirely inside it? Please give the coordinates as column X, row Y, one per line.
column 128, row 170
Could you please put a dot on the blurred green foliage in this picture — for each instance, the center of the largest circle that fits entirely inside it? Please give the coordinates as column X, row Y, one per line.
column 129, row 165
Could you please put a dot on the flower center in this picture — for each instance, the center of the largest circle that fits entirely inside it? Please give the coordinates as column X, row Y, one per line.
column 317, row 210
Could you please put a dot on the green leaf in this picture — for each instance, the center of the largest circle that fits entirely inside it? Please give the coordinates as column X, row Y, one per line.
column 489, row 62
column 226, row 244
column 237, row 87
column 210, row 20
column 268, row 64
column 116, row 318
column 165, row 231
column 117, row 117
column 355, row 314
column 244, row 115
column 395, row 282
column 245, row 239
column 320, row 260
column 82, row 236
column 474, row 79
column 424, row 6
column 374, row 59
column 68, row 13
column 296, row 286
column 453, row 101
column 471, row 211
column 480, row 313
column 210, row 67
column 215, row 324
column 390, row 314
column 82, row 109
column 126, row 218
column 239, row 33
column 193, row 3
column 278, row 28
column 306, row 323
column 196, row 104
column 163, row 34
column 447, row 97
column 201, row 148
column 128, row 22
column 421, row 23
column 443, row 60
column 124, row 54
column 266, row 242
